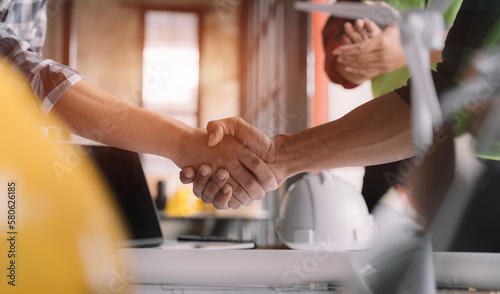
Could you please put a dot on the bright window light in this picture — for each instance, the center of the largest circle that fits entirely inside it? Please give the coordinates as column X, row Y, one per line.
column 171, row 64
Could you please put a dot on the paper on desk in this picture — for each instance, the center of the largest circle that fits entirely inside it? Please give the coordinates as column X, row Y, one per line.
column 206, row 245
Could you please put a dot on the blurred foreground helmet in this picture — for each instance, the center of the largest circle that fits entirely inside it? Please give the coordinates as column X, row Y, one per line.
column 323, row 212
column 58, row 228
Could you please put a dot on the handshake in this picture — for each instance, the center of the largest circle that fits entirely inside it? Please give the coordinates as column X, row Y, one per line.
column 238, row 165
column 232, row 163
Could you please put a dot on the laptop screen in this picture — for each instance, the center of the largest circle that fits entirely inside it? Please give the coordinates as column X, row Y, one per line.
column 123, row 171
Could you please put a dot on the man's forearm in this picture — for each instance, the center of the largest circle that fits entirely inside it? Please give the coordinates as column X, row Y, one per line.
column 98, row 115
column 376, row 132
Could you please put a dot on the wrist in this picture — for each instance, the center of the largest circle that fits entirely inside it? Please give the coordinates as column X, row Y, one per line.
column 312, row 149
column 181, row 147
column 352, row 79
column 287, row 158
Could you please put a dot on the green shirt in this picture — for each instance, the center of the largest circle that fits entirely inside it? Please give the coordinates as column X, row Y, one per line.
column 387, row 82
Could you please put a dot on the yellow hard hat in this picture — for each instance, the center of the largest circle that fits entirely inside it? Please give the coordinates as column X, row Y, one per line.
column 184, row 203
column 58, row 231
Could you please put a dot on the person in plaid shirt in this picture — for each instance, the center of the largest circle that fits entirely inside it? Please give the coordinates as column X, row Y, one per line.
column 98, row 115
column 22, row 32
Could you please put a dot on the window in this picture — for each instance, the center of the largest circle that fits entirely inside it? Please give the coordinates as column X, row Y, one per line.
column 171, row 64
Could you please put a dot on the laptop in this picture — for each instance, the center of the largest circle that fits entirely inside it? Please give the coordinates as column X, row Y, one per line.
column 123, row 172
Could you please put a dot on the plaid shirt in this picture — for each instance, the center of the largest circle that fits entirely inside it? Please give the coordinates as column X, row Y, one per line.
column 23, row 26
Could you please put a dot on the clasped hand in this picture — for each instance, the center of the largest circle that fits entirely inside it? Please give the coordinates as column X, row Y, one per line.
column 246, row 171
column 368, row 50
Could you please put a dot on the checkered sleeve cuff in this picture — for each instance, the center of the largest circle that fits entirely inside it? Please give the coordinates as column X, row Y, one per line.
column 49, row 79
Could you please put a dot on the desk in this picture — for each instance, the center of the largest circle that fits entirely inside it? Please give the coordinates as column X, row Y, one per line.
column 153, row 289
column 273, row 270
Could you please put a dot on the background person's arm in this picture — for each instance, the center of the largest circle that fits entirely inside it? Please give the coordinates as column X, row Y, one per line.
column 359, row 32
column 367, row 52
column 372, row 56
column 334, row 36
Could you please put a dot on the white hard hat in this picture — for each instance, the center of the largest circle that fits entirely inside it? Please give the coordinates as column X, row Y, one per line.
column 322, row 211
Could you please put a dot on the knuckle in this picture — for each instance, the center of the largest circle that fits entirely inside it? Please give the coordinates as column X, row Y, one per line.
column 237, row 170
column 237, row 190
column 212, row 188
column 198, row 190
column 259, row 196
column 234, row 203
column 256, row 162
column 242, row 150
column 251, row 186
column 238, row 120
column 220, row 204
column 206, row 199
column 199, row 177
column 246, row 201
column 242, row 196
column 199, row 181
column 197, row 193
column 212, row 125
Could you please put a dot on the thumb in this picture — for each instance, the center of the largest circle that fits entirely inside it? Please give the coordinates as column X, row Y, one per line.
column 253, row 138
column 216, row 132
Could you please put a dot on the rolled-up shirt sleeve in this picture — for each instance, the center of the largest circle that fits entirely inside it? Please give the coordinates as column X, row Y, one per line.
column 48, row 79
column 442, row 83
